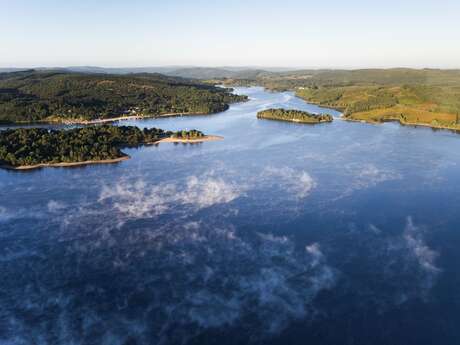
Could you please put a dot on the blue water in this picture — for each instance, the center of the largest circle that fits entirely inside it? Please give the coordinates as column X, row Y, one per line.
column 341, row 233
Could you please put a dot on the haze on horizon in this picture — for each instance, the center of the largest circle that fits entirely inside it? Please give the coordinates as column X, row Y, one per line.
column 292, row 33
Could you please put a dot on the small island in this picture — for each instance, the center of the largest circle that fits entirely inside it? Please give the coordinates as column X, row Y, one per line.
column 31, row 148
column 293, row 116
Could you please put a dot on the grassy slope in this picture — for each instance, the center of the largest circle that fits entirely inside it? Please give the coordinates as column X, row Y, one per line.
column 434, row 106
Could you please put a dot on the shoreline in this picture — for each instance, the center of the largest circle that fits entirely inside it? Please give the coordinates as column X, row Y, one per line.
column 409, row 124
column 65, row 164
column 294, row 121
column 206, row 138
column 124, row 118
column 63, row 121
column 190, row 141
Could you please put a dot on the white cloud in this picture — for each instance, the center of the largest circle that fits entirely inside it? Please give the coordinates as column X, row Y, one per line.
column 373, row 228
column 55, row 206
column 208, row 192
column 315, row 252
column 362, row 176
column 370, row 175
column 300, row 183
column 257, row 283
column 408, row 255
column 425, row 256
column 5, row 215
column 141, row 200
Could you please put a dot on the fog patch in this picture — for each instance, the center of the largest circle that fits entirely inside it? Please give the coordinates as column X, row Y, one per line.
column 409, row 264
column 366, row 176
column 425, row 256
column 5, row 215
column 202, row 276
column 54, row 206
column 8, row 214
column 208, row 192
column 410, row 256
column 296, row 182
column 139, row 199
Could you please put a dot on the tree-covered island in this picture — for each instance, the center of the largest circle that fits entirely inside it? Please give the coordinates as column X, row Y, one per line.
column 293, row 116
column 27, row 148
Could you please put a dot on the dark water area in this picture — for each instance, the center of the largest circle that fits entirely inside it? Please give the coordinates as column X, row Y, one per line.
column 340, row 233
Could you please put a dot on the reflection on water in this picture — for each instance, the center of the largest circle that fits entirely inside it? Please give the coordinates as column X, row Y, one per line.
column 282, row 233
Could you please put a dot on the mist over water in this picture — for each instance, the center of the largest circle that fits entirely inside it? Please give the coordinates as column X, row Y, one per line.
column 281, row 233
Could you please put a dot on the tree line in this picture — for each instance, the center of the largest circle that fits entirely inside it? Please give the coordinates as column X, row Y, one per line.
column 31, row 146
column 293, row 115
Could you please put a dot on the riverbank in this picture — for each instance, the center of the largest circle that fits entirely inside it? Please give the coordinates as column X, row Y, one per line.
column 63, row 164
column 190, row 141
column 205, row 138
column 403, row 123
column 121, row 118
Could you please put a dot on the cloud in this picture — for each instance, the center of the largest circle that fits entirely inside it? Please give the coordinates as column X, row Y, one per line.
column 425, row 256
column 5, row 215
column 362, row 176
column 201, row 276
column 374, row 229
column 370, row 175
column 264, row 278
column 208, row 192
column 299, row 183
column 395, row 266
column 408, row 255
column 137, row 199
column 9, row 214
column 55, row 206
column 315, row 252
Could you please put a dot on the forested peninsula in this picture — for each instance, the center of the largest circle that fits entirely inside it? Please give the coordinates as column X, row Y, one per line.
column 70, row 97
column 28, row 148
column 293, row 116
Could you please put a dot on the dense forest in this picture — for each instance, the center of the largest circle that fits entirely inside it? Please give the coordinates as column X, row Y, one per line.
column 28, row 96
column 191, row 135
column 293, row 116
column 31, row 146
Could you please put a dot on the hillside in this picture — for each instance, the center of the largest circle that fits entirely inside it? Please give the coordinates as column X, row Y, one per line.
column 28, row 96
column 429, row 97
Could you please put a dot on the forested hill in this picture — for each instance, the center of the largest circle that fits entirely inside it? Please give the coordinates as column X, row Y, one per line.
column 61, row 95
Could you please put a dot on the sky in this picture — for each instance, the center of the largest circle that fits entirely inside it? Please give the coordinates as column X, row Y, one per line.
column 287, row 33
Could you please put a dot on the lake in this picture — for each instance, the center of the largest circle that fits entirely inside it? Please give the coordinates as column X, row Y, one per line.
column 340, row 233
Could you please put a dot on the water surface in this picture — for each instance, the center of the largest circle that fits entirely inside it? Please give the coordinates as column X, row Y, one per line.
column 341, row 233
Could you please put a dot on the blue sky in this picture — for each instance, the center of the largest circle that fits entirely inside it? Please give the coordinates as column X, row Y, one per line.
column 292, row 33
